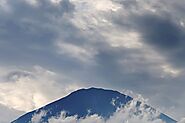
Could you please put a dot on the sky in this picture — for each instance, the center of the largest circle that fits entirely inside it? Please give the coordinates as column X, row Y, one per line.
column 49, row 48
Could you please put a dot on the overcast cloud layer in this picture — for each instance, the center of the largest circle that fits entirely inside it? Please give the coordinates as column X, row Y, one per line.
column 49, row 48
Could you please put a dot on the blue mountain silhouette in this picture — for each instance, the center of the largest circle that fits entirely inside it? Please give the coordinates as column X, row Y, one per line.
column 85, row 102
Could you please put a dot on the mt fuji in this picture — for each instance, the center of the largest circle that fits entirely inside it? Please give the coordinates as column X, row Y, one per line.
column 97, row 102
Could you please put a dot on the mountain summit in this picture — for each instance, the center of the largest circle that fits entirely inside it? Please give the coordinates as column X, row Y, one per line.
column 85, row 102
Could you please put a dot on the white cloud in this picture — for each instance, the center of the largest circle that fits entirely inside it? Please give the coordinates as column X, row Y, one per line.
column 32, row 2
column 36, row 2
column 84, row 54
column 38, row 118
column 4, row 6
column 96, row 5
column 26, row 90
column 94, row 20
column 171, row 71
column 118, row 38
column 135, row 96
column 128, row 114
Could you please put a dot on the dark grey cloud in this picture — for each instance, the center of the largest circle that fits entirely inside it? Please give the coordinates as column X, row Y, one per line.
column 16, row 75
column 160, row 26
column 28, row 31
column 161, row 32
column 165, row 35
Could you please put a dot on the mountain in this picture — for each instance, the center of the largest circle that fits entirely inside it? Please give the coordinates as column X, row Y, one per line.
column 85, row 102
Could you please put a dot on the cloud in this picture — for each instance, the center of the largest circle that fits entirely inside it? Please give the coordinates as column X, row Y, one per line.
column 129, row 113
column 8, row 114
column 80, row 53
column 165, row 35
column 91, row 44
column 182, row 121
column 38, row 118
column 31, row 29
column 160, row 27
column 27, row 90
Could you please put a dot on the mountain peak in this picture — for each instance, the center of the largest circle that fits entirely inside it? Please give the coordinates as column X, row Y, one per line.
column 85, row 102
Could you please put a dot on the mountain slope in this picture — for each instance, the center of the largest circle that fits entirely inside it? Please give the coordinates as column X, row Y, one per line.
column 83, row 102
